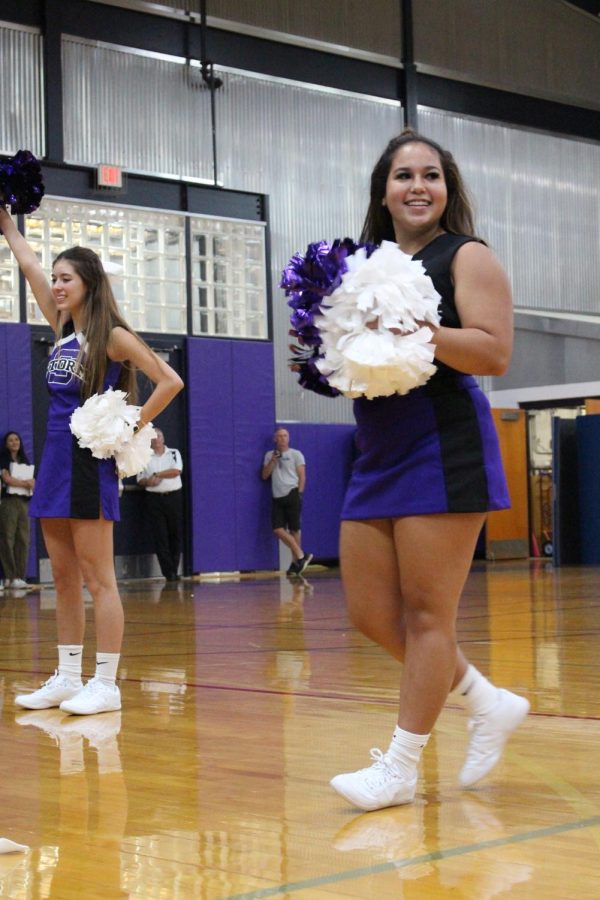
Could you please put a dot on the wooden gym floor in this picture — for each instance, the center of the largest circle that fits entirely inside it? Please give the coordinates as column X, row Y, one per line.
column 240, row 701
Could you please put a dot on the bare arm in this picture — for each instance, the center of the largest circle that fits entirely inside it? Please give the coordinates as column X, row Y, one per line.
column 267, row 469
column 301, row 472
column 125, row 346
column 30, row 266
column 483, row 345
column 168, row 473
column 7, row 478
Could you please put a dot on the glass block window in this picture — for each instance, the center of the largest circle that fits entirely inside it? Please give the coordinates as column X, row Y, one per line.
column 229, row 296
column 147, row 247
column 9, row 285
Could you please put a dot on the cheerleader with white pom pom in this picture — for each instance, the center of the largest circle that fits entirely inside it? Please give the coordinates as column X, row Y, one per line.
column 428, row 470
column 77, row 494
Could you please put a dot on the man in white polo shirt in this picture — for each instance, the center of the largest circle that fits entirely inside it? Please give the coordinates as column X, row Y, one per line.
column 161, row 479
column 287, row 470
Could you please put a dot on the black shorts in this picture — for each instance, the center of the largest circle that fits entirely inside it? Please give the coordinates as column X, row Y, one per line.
column 285, row 511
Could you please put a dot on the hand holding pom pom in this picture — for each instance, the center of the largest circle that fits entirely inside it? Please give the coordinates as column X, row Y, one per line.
column 21, row 185
column 361, row 316
column 105, row 425
column 135, row 454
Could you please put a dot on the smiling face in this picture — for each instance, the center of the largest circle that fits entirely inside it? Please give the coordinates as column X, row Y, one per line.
column 68, row 288
column 415, row 192
column 13, row 443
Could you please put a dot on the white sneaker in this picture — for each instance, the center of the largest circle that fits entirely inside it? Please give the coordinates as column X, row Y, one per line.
column 489, row 734
column 94, row 697
column 376, row 787
column 52, row 693
column 18, row 584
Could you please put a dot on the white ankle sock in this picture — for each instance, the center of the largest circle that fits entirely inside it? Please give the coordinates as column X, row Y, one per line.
column 477, row 693
column 405, row 750
column 106, row 667
column 70, row 658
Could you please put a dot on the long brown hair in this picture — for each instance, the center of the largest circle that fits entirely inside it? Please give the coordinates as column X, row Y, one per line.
column 101, row 315
column 457, row 217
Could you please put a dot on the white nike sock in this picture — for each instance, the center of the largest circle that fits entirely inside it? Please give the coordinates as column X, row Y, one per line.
column 70, row 658
column 477, row 693
column 405, row 750
column 106, row 667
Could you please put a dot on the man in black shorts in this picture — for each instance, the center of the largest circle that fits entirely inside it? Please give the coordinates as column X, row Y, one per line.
column 287, row 470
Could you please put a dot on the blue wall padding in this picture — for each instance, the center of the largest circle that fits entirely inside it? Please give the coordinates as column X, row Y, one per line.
column 230, row 396
column 588, row 456
column 328, row 450
column 15, row 398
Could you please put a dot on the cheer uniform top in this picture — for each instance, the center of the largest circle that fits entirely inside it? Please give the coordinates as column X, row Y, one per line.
column 435, row 449
column 71, row 483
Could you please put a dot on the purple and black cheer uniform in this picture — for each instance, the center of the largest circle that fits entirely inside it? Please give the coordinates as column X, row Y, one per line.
column 71, row 483
column 435, row 449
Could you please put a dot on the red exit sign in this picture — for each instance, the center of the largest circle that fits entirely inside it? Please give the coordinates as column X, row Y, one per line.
column 109, row 176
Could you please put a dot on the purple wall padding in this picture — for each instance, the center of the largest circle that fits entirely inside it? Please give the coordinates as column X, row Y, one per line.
column 230, row 396
column 328, row 450
column 253, row 416
column 15, row 397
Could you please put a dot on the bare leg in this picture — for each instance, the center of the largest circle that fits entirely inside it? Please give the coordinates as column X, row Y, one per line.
column 93, row 542
column 298, row 538
column 68, row 581
column 286, row 538
column 373, row 594
column 403, row 580
column 434, row 557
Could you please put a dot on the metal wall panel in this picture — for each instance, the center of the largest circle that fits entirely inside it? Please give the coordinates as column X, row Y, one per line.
column 21, row 90
column 312, row 152
column 144, row 112
column 369, row 27
column 538, row 203
column 542, row 48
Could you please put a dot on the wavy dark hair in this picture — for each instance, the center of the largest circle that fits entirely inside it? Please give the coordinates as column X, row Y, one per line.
column 21, row 455
column 101, row 316
column 458, row 215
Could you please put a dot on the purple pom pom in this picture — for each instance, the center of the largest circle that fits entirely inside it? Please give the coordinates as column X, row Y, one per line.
column 311, row 379
column 21, row 185
column 307, row 280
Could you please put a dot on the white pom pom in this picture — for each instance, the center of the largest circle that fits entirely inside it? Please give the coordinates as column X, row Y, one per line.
column 135, row 455
column 104, row 425
column 380, row 296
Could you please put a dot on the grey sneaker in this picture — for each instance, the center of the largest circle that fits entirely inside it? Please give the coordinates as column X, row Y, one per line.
column 52, row 693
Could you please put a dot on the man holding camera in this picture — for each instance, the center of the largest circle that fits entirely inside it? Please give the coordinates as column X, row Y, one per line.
column 287, row 470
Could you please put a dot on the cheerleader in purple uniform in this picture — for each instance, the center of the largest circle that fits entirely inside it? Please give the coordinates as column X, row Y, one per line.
column 428, row 470
column 76, row 497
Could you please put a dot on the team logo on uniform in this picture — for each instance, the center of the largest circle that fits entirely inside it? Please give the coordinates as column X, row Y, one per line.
column 63, row 367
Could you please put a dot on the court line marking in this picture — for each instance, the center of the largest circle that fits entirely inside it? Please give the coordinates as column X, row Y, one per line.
column 435, row 855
